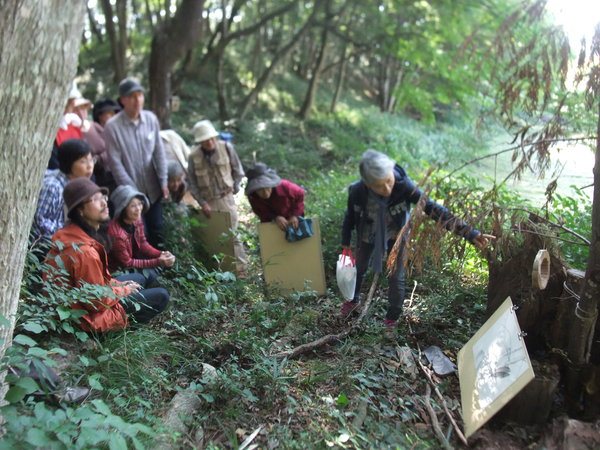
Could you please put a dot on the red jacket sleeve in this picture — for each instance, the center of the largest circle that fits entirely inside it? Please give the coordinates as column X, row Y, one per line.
column 296, row 196
column 145, row 248
column 121, row 253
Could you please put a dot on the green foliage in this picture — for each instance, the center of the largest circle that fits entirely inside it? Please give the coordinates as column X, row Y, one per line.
column 89, row 426
column 574, row 212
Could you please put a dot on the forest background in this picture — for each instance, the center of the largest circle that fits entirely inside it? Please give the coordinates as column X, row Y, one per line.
column 306, row 87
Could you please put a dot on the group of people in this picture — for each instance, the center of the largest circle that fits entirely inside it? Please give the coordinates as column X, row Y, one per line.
column 87, row 245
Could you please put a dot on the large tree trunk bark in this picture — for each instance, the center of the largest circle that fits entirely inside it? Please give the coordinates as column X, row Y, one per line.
column 171, row 41
column 39, row 45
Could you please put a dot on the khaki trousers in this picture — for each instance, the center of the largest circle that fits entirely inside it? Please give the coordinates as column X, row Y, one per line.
column 227, row 204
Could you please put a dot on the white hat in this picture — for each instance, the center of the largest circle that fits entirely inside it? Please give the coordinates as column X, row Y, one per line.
column 203, row 131
column 74, row 92
column 82, row 101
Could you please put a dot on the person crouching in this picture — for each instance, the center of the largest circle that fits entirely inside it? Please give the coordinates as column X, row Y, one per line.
column 130, row 249
column 78, row 257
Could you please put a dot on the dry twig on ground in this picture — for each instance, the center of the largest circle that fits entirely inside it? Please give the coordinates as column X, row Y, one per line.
column 331, row 338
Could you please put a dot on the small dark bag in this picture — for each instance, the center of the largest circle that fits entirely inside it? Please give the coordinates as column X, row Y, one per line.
column 305, row 230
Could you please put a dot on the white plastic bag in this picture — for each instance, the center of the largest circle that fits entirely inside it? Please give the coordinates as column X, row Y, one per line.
column 346, row 274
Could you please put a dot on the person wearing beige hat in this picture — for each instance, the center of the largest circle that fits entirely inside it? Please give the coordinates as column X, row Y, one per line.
column 215, row 173
column 77, row 263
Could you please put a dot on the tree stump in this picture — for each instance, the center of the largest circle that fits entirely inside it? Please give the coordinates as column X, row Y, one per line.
column 533, row 404
column 541, row 313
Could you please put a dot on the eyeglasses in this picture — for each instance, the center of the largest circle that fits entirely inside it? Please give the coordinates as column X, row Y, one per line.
column 98, row 199
column 85, row 161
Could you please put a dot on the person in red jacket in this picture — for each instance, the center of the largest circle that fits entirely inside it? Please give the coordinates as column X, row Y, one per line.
column 77, row 262
column 129, row 248
column 273, row 199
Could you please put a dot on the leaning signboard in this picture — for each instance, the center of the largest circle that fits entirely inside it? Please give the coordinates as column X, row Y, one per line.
column 493, row 367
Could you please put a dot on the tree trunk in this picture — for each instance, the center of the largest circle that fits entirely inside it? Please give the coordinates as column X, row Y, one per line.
column 39, row 45
column 339, row 80
column 314, row 81
column 389, row 80
column 118, row 43
column 586, row 313
column 94, row 26
column 172, row 39
column 220, row 82
column 266, row 76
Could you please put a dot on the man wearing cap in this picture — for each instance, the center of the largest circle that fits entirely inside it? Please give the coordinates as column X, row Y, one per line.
column 79, row 265
column 214, row 174
column 136, row 154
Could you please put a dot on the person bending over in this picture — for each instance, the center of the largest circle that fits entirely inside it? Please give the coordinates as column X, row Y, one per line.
column 273, row 199
column 378, row 207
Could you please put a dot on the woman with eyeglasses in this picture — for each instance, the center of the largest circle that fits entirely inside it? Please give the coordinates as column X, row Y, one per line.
column 75, row 160
column 77, row 262
column 130, row 249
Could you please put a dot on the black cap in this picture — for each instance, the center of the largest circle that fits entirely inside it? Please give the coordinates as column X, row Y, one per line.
column 128, row 86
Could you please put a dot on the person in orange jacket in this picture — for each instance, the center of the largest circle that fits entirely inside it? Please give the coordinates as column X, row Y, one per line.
column 78, row 260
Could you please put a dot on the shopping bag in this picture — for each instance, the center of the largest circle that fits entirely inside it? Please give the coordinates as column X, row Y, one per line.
column 346, row 274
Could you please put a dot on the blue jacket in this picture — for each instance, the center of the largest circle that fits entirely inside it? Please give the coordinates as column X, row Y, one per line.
column 404, row 193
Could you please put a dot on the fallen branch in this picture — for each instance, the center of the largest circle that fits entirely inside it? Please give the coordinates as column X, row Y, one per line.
column 427, row 373
column 434, row 420
column 331, row 338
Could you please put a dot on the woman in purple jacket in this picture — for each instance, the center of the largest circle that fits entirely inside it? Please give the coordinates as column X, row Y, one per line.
column 273, row 199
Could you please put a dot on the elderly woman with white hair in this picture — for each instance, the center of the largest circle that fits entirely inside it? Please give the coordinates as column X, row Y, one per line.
column 378, row 207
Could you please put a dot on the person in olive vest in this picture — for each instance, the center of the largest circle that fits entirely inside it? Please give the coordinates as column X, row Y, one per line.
column 214, row 174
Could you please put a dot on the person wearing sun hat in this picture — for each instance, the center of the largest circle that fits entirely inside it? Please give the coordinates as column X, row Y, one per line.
column 77, row 263
column 215, row 173
column 272, row 198
column 136, row 154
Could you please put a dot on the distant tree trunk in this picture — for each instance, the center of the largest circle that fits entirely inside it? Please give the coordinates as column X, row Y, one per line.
column 266, row 76
column 172, row 39
column 220, row 82
column 118, row 42
column 94, row 26
column 314, row 81
column 389, row 79
column 39, row 45
column 586, row 313
column 339, row 80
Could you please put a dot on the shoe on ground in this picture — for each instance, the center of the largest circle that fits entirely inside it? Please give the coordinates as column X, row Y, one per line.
column 347, row 309
column 390, row 331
